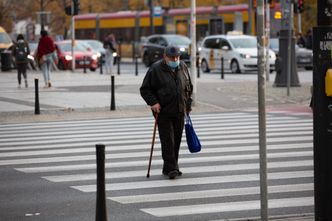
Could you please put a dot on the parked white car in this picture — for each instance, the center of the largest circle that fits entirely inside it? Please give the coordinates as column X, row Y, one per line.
column 239, row 53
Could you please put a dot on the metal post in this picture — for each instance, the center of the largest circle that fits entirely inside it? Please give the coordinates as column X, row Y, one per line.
column 112, row 93
column 193, row 49
column 101, row 62
column 37, row 107
column 222, row 67
column 136, row 65
column 151, row 17
column 261, row 111
column 197, row 65
column 84, row 67
column 72, row 36
column 119, row 58
column 289, row 57
column 267, row 46
column 101, row 210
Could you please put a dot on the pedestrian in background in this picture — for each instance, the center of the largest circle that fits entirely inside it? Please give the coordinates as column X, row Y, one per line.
column 21, row 51
column 167, row 88
column 46, row 55
column 109, row 45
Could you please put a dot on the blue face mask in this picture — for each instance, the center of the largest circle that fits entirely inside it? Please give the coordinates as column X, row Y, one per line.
column 173, row 64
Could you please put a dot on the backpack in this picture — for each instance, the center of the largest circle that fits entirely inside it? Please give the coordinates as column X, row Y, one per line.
column 21, row 54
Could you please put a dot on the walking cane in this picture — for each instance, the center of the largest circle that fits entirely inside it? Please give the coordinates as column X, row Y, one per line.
column 152, row 144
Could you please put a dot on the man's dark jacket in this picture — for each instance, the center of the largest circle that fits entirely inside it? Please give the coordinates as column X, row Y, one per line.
column 172, row 90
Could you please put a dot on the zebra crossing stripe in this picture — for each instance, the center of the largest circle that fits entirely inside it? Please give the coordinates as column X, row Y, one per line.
column 186, row 170
column 173, row 196
column 207, row 149
column 194, row 181
column 137, row 162
column 227, row 207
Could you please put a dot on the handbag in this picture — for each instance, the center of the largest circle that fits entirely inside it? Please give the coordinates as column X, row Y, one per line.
column 194, row 145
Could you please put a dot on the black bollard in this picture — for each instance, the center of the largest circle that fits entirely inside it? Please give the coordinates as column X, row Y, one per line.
column 197, row 65
column 37, row 108
column 101, row 211
column 112, row 93
column 84, row 64
column 222, row 68
column 101, row 61
column 119, row 60
column 136, row 65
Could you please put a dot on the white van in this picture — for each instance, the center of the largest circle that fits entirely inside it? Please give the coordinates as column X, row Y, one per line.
column 239, row 53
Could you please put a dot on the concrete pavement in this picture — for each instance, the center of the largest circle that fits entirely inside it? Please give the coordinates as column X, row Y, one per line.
column 84, row 95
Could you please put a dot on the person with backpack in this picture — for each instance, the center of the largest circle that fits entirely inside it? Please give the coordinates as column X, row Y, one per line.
column 21, row 51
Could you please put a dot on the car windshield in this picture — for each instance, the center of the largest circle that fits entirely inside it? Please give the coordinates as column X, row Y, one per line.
column 178, row 40
column 67, row 47
column 4, row 38
column 95, row 44
column 244, row 42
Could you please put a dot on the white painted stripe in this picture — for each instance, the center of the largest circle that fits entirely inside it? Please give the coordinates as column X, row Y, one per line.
column 86, row 166
column 227, row 207
column 224, row 123
column 119, row 145
column 121, row 121
column 106, row 132
column 135, row 139
column 144, row 128
column 194, row 181
column 144, row 153
column 186, row 170
column 199, row 194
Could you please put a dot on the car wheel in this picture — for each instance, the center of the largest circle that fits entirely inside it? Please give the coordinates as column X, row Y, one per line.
column 146, row 60
column 235, row 67
column 205, row 66
column 61, row 65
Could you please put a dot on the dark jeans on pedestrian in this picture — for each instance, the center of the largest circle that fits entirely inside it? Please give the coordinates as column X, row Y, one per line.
column 170, row 134
column 21, row 69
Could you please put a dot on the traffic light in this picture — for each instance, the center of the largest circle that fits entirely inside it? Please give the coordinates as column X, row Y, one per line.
column 300, row 6
column 76, row 5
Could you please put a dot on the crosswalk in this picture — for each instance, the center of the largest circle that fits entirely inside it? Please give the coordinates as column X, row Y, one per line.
column 220, row 182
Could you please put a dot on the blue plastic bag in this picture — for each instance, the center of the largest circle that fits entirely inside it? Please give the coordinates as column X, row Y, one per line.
column 194, row 145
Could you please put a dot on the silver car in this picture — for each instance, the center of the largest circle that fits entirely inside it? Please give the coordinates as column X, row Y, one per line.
column 304, row 56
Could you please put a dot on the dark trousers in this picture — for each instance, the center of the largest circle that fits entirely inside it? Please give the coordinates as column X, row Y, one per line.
column 170, row 134
column 21, row 69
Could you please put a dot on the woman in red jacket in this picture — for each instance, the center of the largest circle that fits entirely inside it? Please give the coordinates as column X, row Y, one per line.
column 45, row 56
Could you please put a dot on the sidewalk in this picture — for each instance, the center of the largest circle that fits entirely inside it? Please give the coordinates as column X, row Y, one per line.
column 78, row 95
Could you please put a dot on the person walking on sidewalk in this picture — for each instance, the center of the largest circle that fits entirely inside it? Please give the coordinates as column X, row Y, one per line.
column 21, row 51
column 46, row 54
column 167, row 88
column 109, row 45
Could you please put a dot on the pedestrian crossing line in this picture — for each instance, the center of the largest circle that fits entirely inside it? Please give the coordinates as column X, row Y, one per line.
column 145, row 152
column 135, row 133
column 148, row 125
column 195, row 181
column 130, row 120
column 144, row 128
column 227, row 207
column 135, row 146
column 126, row 140
column 123, row 122
column 187, row 170
column 213, row 193
column 137, row 163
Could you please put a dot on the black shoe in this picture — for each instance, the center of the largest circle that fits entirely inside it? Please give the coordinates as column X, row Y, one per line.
column 172, row 174
column 179, row 173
